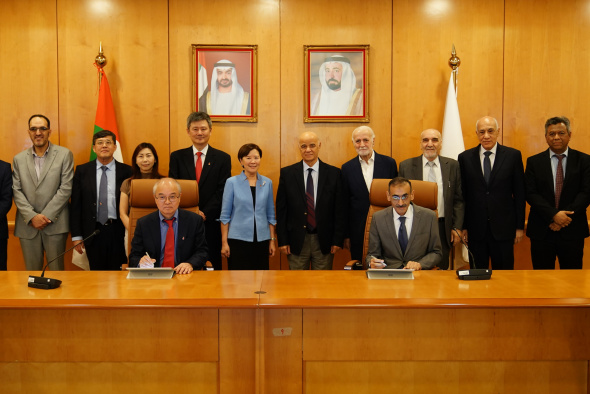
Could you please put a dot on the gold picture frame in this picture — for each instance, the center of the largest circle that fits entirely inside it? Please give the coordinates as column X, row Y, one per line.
column 235, row 67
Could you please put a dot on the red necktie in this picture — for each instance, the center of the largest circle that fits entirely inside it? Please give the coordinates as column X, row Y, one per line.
column 169, row 246
column 199, row 166
column 558, row 180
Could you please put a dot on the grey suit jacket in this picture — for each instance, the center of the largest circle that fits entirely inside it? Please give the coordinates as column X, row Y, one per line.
column 48, row 195
column 423, row 245
column 452, row 193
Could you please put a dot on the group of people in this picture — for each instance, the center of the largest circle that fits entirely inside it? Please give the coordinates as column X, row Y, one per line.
column 319, row 208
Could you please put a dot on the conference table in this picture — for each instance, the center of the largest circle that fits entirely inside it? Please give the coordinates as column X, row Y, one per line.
column 296, row 332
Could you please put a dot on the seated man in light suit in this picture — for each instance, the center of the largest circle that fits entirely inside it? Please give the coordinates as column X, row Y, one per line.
column 169, row 237
column 403, row 235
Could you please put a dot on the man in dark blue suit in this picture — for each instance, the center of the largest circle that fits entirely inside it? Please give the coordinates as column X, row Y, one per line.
column 492, row 177
column 357, row 175
column 558, row 191
column 169, row 237
column 211, row 168
column 5, row 204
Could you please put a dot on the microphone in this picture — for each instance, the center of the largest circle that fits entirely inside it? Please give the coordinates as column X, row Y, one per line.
column 472, row 274
column 41, row 282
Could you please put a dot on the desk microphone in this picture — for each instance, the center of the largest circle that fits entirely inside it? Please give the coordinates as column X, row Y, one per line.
column 472, row 274
column 40, row 282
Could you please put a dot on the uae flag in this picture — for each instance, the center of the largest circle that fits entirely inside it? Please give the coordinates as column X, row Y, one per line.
column 105, row 115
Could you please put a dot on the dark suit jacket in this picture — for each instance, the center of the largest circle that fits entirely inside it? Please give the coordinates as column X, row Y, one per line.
column 292, row 208
column 356, row 196
column 5, row 197
column 502, row 201
column 423, row 245
column 575, row 195
column 84, row 196
column 454, row 209
column 216, row 170
column 191, row 246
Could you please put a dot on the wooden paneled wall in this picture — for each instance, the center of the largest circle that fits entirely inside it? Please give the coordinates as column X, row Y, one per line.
column 518, row 71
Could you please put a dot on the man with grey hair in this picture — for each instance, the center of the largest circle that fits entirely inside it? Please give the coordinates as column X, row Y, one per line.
column 357, row 176
column 211, row 168
column 492, row 178
column 226, row 96
column 558, row 191
column 339, row 94
column 445, row 172
column 170, row 237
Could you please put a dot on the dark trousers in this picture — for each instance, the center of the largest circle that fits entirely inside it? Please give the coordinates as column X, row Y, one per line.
column 442, row 232
column 3, row 254
column 570, row 252
column 106, row 251
column 500, row 251
column 213, row 237
column 245, row 255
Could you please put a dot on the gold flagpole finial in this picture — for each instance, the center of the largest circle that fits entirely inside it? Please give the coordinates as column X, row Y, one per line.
column 454, row 63
column 100, row 59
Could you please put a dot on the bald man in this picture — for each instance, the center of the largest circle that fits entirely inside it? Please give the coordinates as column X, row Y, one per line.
column 445, row 172
column 492, row 176
column 310, row 209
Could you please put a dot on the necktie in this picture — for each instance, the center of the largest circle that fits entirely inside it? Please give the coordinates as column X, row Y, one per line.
column 199, row 166
column 431, row 173
column 310, row 204
column 402, row 234
column 169, row 246
column 487, row 166
column 558, row 179
column 103, row 197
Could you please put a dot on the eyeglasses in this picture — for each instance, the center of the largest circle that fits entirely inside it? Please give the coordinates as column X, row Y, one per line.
column 171, row 198
column 403, row 198
column 34, row 129
column 104, row 143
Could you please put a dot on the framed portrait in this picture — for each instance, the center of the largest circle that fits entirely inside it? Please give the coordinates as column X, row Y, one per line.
column 225, row 82
column 336, row 83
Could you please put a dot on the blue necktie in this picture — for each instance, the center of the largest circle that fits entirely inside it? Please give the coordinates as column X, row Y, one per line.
column 103, row 197
column 403, row 234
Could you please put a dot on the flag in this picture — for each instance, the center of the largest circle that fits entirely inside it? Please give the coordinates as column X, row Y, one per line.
column 202, row 83
column 452, row 135
column 105, row 115
column 451, row 131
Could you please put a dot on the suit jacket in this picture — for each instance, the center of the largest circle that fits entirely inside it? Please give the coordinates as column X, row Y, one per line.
column 5, row 197
column 575, row 195
column 191, row 246
column 423, row 245
column 48, row 195
column 292, row 208
column 454, row 209
column 216, row 170
column 356, row 196
column 502, row 202
column 84, row 197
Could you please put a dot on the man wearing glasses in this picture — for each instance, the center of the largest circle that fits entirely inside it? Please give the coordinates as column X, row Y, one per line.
column 403, row 235
column 169, row 237
column 42, row 185
column 95, row 205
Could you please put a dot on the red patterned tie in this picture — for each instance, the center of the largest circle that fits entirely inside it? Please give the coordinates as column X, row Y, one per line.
column 558, row 180
column 199, row 166
column 169, row 247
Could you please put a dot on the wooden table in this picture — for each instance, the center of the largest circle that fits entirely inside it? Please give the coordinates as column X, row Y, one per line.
column 296, row 332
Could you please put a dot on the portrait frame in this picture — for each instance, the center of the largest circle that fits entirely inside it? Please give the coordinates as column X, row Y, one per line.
column 355, row 99
column 244, row 59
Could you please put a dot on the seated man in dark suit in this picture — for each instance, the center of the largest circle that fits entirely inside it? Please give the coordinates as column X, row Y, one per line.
column 403, row 235
column 169, row 237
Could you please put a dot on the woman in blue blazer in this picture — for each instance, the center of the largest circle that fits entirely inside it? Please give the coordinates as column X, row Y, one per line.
column 248, row 215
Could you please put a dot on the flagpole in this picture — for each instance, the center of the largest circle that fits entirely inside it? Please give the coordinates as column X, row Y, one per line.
column 454, row 63
column 100, row 60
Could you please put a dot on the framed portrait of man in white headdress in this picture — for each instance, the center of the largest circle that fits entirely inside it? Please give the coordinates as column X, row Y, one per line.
column 336, row 83
column 225, row 82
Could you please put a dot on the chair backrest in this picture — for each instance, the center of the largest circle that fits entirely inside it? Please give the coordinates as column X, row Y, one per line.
column 142, row 202
column 425, row 195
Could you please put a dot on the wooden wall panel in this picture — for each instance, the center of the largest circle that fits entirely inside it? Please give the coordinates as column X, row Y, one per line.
column 134, row 35
column 423, row 34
